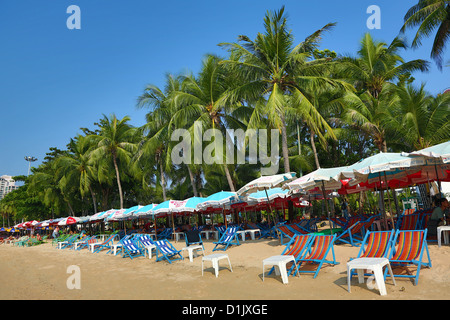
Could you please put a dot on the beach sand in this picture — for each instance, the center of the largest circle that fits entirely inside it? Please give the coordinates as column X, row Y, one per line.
column 40, row 272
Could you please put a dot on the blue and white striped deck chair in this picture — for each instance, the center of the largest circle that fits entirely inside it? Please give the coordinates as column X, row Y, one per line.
column 228, row 238
column 165, row 250
column 132, row 249
column 147, row 242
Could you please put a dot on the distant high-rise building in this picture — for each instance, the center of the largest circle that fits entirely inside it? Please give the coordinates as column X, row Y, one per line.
column 7, row 184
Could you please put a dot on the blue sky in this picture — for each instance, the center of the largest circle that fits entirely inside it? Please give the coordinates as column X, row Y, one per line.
column 54, row 81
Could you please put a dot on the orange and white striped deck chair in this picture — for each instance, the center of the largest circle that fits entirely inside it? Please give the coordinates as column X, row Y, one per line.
column 317, row 252
column 408, row 248
column 295, row 248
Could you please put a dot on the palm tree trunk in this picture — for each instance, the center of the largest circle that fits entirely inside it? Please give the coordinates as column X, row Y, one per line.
column 313, row 146
column 118, row 182
column 191, row 176
column 94, row 200
column 229, row 179
column 163, row 180
column 284, row 146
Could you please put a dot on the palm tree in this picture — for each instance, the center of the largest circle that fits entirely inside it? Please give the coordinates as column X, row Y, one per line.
column 429, row 15
column 378, row 63
column 420, row 119
column 202, row 101
column 116, row 142
column 77, row 169
column 373, row 73
column 276, row 70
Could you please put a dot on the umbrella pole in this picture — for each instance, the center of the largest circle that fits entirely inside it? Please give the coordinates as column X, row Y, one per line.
column 326, row 207
column 389, row 199
column 438, row 181
column 173, row 225
column 270, row 207
column 382, row 203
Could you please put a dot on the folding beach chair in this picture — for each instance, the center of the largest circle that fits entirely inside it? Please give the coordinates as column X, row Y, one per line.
column 132, row 249
column 296, row 247
column 86, row 242
column 68, row 242
column 317, row 252
column 193, row 237
column 227, row 239
column 408, row 248
column 286, row 232
column 408, row 221
column 376, row 244
column 165, row 250
column 352, row 235
column 165, row 234
column 107, row 244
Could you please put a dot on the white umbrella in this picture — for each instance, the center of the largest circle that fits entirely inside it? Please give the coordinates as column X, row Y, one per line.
column 266, row 182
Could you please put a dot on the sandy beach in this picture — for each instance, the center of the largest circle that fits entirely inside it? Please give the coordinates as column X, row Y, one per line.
column 40, row 272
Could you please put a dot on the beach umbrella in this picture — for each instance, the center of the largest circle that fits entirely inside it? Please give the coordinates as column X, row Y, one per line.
column 219, row 199
column 114, row 215
column 145, row 210
column 68, row 221
column 261, row 196
column 188, row 205
column 440, row 152
column 128, row 213
column 266, row 182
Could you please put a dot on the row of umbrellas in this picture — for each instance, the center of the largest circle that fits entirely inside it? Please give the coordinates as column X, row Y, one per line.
column 381, row 171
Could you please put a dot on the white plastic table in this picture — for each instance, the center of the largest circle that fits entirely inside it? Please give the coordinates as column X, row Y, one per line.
column 149, row 250
column 177, row 235
column 252, row 232
column 214, row 258
column 242, row 233
column 190, row 250
column 374, row 264
column 279, row 262
column 440, row 230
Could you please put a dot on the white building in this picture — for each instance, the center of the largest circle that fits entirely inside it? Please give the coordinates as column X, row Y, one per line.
column 7, row 184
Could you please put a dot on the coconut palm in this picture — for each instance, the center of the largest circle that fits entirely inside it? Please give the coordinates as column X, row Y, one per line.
column 116, row 142
column 276, row 71
column 430, row 15
column 373, row 73
column 201, row 102
column 420, row 119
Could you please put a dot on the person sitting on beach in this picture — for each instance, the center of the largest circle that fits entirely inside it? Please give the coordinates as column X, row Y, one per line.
column 38, row 237
column 437, row 216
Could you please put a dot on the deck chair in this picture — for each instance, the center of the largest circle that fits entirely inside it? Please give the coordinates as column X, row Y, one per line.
column 376, row 244
column 296, row 247
column 132, row 249
column 286, row 232
column 66, row 243
column 147, row 242
column 165, row 234
column 352, row 235
column 165, row 250
column 408, row 248
column 193, row 237
column 107, row 244
column 408, row 221
column 227, row 239
column 317, row 252
column 85, row 243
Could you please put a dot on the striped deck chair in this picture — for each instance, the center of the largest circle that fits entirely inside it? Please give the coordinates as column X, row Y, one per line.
column 408, row 221
column 352, row 235
column 317, row 252
column 299, row 229
column 295, row 248
column 132, row 249
column 286, row 232
column 376, row 244
column 408, row 248
column 105, row 244
column 228, row 238
column 166, row 251
column 85, row 243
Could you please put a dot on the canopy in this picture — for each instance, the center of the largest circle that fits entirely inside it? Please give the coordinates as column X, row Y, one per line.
column 188, row 205
column 266, row 182
column 439, row 152
column 145, row 210
column 323, row 177
column 261, row 196
column 218, row 200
